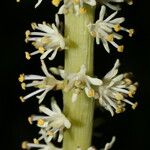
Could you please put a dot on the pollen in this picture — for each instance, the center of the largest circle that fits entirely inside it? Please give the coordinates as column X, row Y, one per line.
column 40, row 122
column 91, row 93
column 83, row 10
column 56, row 2
column 23, row 86
column 21, row 77
column 117, row 27
column 110, row 38
column 131, row 32
column 120, row 48
column 24, row 145
column 119, row 110
column 135, row 105
column 41, row 49
column 27, row 55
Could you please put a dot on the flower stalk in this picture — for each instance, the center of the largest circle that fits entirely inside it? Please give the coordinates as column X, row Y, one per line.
column 80, row 52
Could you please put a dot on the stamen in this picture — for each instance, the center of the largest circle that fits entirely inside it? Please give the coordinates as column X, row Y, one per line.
column 27, row 33
column 33, row 25
column 41, row 49
column 21, row 77
column 27, row 55
column 119, row 97
column 91, row 93
column 40, row 122
column 24, row 145
column 120, row 48
column 131, row 32
column 117, row 27
column 134, row 105
column 35, row 141
column 110, row 38
column 30, row 119
column 23, row 86
column 22, row 99
column 56, row 2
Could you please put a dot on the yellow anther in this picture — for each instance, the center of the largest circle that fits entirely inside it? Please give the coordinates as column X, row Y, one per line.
column 17, row 1
column 131, row 93
column 30, row 119
column 41, row 49
column 120, row 48
column 82, row 10
column 50, row 133
column 33, row 25
column 40, row 122
column 27, row 55
column 24, row 145
column 21, row 98
column 23, row 86
column 131, row 32
column 134, row 105
column 128, row 81
column 117, row 27
column 130, row 2
column 56, row 2
column 91, row 93
column 119, row 97
column 21, row 77
column 110, row 38
column 132, row 88
column 27, row 33
column 119, row 110
column 35, row 141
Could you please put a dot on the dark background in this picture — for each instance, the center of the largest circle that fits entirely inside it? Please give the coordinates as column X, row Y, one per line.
column 131, row 128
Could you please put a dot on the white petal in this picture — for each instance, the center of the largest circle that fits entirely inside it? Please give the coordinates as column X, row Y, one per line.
column 46, row 53
column 94, row 81
column 38, row 3
column 111, row 16
column 102, row 13
column 54, row 106
column 53, row 54
column 109, row 145
column 46, row 110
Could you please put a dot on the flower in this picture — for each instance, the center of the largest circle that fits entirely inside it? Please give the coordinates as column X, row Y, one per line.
column 78, row 6
column 111, row 3
column 54, row 122
column 107, row 146
column 106, row 30
column 80, row 81
column 47, row 40
column 49, row 146
column 115, row 89
column 43, row 83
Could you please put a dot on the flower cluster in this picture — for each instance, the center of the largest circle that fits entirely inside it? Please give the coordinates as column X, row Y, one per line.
column 43, row 83
column 47, row 40
column 113, row 93
column 106, row 30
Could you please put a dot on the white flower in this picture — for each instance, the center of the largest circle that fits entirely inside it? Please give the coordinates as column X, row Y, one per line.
column 114, row 4
column 47, row 40
column 80, row 81
column 43, row 83
column 115, row 89
column 49, row 146
column 78, row 6
column 107, row 146
column 54, row 122
column 106, row 30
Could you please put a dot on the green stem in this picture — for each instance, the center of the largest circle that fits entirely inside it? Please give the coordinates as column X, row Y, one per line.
column 79, row 52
